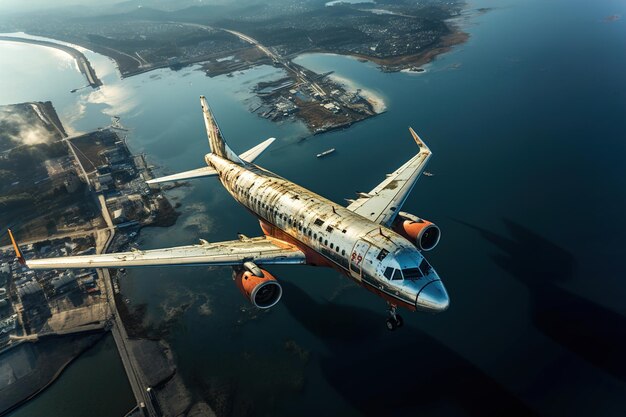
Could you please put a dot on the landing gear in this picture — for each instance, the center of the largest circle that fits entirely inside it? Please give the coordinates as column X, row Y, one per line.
column 395, row 320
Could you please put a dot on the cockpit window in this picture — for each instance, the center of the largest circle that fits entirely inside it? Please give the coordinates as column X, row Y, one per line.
column 425, row 267
column 388, row 273
column 397, row 275
column 412, row 273
column 382, row 254
column 393, row 274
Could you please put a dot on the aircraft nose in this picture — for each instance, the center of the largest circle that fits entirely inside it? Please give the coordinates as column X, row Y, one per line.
column 433, row 297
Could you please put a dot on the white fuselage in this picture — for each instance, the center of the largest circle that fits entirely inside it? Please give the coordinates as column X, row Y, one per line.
column 346, row 240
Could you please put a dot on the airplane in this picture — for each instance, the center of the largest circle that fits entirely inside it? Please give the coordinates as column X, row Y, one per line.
column 370, row 241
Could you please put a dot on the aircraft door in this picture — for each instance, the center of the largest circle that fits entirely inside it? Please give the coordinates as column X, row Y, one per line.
column 357, row 257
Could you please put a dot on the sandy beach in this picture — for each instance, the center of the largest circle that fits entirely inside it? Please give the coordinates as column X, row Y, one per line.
column 377, row 102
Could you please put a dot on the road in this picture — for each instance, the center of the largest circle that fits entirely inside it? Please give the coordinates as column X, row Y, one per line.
column 132, row 368
column 256, row 43
column 285, row 63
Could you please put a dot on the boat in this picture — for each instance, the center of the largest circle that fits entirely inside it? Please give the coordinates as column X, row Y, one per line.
column 326, row 152
column 428, row 174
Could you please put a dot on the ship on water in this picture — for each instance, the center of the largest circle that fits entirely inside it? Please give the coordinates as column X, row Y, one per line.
column 326, row 152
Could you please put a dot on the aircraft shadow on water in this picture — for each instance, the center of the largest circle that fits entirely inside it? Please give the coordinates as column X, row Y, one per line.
column 581, row 326
column 404, row 375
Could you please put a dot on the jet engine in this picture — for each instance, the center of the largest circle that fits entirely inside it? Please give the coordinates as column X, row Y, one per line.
column 258, row 286
column 424, row 234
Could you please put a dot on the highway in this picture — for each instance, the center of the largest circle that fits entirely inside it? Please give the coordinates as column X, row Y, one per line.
column 285, row 63
column 256, row 43
column 133, row 371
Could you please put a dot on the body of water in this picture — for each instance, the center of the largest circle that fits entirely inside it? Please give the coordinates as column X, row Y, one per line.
column 526, row 123
column 93, row 385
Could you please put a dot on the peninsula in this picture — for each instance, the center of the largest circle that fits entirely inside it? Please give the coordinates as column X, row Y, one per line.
column 396, row 35
column 81, row 60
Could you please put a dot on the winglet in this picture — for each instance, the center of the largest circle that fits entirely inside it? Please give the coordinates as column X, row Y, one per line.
column 419, row 141
column 18, row 252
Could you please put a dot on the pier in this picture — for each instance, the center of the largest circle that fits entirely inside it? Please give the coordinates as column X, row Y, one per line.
column 83, row 63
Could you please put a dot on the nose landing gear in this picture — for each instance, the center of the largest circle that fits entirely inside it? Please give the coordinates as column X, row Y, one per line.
column 395, row 320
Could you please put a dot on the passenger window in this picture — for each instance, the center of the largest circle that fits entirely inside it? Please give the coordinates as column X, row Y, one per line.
column 337, row 249
column 343, row 252
column 315, row 236
column 332, row 245
column 326, row 242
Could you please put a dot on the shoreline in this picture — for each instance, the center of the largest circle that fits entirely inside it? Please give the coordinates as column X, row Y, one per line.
column 83, row 63
column 57, row 374
column 377, row 102
column 405, row 62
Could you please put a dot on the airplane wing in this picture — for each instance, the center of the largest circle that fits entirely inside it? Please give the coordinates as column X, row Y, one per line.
column 383, row 203
column 260, row 250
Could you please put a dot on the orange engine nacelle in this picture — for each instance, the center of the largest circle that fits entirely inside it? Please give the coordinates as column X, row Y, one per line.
column 424, row 234
column 262, row 292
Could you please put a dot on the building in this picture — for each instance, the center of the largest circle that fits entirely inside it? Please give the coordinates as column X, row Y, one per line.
column 72, row 182
column 31, row 293
column 5, row 273
column 64, row 282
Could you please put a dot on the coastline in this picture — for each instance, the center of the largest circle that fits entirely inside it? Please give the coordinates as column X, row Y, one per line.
column 81, row 60
column 405, row 62
column 87, row 340
column 377, row 102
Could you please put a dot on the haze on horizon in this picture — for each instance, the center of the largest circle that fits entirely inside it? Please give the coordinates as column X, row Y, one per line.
column 95, row 6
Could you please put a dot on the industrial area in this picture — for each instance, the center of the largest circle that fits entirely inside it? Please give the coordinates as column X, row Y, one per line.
column 321, row 103
column 82, row 194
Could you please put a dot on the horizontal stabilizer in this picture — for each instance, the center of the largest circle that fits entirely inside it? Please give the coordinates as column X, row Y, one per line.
column 251, row 154
column 194, row 173
column 248, row 156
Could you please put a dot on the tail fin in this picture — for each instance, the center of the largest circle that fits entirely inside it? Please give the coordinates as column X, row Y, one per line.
column 18, row 252
column 216, row 140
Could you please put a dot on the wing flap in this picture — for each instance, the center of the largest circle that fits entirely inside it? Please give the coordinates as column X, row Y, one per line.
column 261, row 250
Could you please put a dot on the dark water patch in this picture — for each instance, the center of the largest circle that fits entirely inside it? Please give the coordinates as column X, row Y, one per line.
column 396, row 374
column 592, row 331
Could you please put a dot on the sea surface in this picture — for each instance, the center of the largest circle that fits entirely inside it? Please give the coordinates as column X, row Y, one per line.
column 527, row 125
